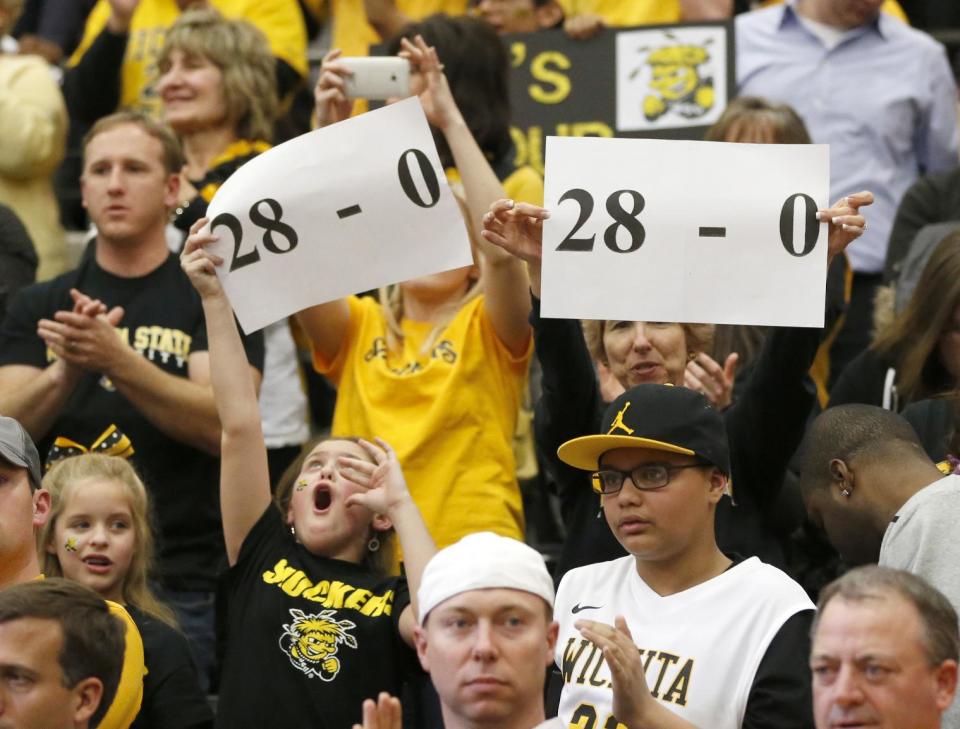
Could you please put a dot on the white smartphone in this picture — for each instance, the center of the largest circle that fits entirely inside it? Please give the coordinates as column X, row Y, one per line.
column 377, row 77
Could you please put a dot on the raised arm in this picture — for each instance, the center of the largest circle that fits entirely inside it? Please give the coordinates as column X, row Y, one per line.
column 244, row 476
column 570, row 401
column 388, row 495
column 504, row 278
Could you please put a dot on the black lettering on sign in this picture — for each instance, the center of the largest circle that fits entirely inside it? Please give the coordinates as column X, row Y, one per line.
column 273, row 225
column 570, row 243
column 428, row 174
column 623, row 218
column 269, row 225
column 626, row 219
column 810, row 229
column 230, row 222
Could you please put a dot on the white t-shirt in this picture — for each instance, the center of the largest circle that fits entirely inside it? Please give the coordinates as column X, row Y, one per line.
column 700, row 647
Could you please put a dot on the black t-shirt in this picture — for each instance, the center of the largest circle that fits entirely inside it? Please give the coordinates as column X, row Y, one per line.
column 172, row 697
column 163, row 320
column 308, row 638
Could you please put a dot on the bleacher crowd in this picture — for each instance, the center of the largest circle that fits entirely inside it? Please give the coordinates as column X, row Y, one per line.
column 426, row 505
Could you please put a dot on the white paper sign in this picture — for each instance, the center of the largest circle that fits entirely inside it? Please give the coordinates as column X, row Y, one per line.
column 343, row 209
column 676, row 231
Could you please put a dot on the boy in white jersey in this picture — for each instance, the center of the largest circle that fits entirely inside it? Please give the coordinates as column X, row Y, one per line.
column 702, row 639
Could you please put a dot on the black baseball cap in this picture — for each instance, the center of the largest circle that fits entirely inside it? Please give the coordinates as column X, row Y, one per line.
column 661, row 417
column 16, row 446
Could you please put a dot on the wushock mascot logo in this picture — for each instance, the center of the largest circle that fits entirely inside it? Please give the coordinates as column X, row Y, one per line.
column 677, row 81
column 311, row 642
column 671, row 78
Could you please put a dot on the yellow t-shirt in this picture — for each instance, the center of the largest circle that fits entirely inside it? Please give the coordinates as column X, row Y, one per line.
column 279, row 20
column 449, row 414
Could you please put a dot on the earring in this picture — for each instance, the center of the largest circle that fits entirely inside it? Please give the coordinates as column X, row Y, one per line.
column 293, row 530
column 374, row 544
column 846, row 492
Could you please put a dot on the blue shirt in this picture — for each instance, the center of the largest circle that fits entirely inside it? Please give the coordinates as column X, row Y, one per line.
column 884, row 99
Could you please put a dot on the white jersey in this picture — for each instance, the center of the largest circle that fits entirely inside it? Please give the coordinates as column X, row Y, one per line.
column 700, row 647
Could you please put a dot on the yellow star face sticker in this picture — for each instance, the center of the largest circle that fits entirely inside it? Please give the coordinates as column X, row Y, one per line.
column 300, row 485
column 71, row 544
column 618, row 423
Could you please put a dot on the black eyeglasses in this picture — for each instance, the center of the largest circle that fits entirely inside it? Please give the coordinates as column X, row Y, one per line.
column 648, row 477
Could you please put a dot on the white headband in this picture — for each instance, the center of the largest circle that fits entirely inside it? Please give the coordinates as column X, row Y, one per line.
column 479, row 562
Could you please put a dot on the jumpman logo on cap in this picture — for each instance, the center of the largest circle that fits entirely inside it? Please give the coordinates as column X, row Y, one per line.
column 618, row 422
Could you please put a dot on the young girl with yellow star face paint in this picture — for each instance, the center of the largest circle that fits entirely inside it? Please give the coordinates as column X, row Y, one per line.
column 99, row 535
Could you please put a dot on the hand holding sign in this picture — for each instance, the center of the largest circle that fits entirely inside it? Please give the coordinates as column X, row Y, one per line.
column 846, row 224
column 343, row 209
column 688, row 231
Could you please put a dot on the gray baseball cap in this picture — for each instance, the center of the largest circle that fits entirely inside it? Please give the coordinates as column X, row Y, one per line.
column 17, row 447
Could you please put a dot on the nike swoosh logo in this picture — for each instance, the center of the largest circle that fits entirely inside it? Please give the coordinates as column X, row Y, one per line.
column 578, row 607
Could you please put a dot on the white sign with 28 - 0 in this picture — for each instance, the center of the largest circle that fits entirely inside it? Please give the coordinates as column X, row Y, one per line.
column 677, row 231
column 344, row 209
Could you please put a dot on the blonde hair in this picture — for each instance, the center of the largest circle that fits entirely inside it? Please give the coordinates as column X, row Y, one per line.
column 379, row 562
column 391, row 300
column 62, row 479
column 698, row 337
column 241, row 52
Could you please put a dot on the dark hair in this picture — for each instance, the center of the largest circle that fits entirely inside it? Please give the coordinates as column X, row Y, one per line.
column 476, row 65
column 913, row 337
column 850, row 431
column 172, row 154
column 755, row 119
column 941, row 640
column 93, row 638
